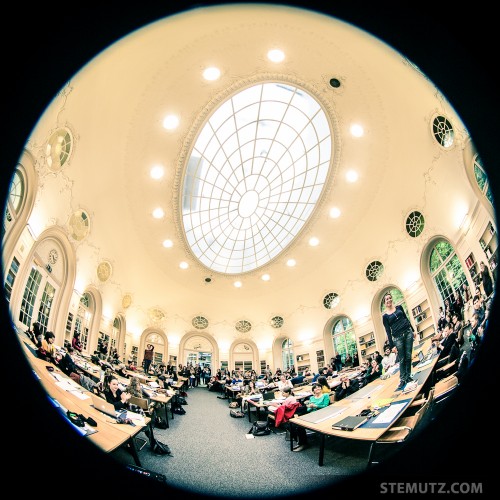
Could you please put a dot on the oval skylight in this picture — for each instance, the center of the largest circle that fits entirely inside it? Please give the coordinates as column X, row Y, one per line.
column 255, row 173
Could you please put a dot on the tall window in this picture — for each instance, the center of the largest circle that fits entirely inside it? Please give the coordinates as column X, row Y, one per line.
column 46, row 306
column 287, row 354
column 482, row 179
column 343, row 337
column 10, row 278
column 29, row 297
column 446, row 270
column 82, row 321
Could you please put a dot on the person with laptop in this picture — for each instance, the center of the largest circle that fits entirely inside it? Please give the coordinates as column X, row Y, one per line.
column 114, row 395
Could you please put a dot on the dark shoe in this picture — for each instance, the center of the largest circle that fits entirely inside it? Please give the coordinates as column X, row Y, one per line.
column 300, row 447
column 401, row 386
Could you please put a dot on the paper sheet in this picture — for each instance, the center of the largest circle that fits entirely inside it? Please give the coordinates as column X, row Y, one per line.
column 390, row 414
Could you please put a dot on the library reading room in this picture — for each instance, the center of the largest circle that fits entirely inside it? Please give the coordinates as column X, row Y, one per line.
column 249, row 250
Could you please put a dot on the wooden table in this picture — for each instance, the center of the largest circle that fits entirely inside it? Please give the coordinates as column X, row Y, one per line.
column 376, row 390
column 110, row 435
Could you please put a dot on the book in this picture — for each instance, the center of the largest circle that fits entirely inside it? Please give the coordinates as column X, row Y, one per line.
column 349, row 423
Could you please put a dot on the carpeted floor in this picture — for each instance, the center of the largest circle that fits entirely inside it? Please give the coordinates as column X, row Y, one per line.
column 212, row 456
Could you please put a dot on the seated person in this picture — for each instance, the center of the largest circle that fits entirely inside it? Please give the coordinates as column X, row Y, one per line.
column 346, row 387
column 373, row 372
column 449, row 338
column 284, row 382
column 289, row 398
column 348, row 361
column 121, row 370
column 389, row 359
column 323, row 382
column 135, row 387
column 68, row 366
column 317, row 401
column 113, row 393
column 47, row 350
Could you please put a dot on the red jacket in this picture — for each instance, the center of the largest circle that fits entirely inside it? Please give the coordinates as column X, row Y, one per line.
column 284, row 413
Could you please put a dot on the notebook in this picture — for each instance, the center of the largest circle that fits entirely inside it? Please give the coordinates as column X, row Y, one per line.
column 102, row 405
column 349, row 423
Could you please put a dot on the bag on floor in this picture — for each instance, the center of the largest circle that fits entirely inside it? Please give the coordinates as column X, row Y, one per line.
column 179, row 410
column 160, row 422
column 236, row 413
column 234, row 404
column 260, row 428
column 182, row 400
column 160, row 448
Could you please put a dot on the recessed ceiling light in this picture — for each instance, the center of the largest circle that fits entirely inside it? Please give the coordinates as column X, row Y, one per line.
column 266, row 277
column 168, row 244
column 351, row 175
column 183, row 265
column 211, row 74
column 314, row 242
column 334, row 212
column 158, row 213
column 237, row 284
column 357, row 130
column 157, row 172
column 171, row 122
column 276, row 55
column 290, row 262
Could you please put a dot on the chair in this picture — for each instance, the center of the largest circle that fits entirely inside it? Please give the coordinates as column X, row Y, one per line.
column 143, row 403
column 445, row 388
column 282, row 414
column 404, row 428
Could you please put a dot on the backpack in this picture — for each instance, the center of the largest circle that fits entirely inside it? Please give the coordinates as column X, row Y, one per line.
column 260, row 428
column 160, row 422
column 234, row 404
column 236, row 413
column 179, row 410
column 160, row 448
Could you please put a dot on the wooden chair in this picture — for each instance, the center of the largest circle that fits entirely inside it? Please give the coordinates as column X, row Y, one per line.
column 404, row 428
column 445, row 388
column 143, row 403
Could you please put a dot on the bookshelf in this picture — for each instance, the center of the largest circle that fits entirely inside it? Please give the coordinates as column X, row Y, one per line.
column 489, row 244
column 473, row 267
column 263, row 366
column 367, row 345
column 303, row 363
column 320, row 357
column 423, row 320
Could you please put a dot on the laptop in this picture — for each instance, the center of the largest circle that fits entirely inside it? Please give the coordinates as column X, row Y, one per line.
column 421, row 358
column 268, row 395
column 103, row 406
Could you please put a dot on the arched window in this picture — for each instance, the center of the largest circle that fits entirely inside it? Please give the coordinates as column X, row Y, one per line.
column 14, row 200
column 343, row 337
column 83, row 317
column 446, row 270
column 287, row 353
column 482, row 179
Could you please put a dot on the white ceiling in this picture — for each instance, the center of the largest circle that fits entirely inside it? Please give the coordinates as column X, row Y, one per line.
column 115, row 106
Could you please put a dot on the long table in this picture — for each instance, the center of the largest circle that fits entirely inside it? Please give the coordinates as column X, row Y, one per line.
column 321, row 421
column 110, row 435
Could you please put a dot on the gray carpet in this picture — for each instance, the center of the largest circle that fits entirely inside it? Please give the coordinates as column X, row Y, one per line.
column 212, row 456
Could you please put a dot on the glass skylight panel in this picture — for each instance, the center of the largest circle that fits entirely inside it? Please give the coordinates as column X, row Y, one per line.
column 255, row 174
